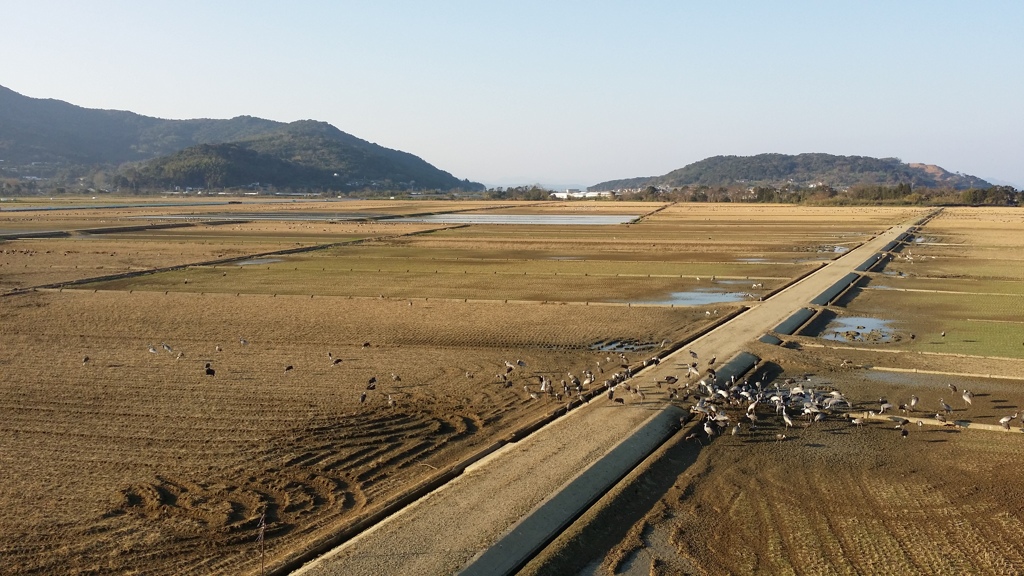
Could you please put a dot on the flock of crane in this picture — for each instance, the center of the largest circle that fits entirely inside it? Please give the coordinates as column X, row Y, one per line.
column 333, row 361
column 713, row 399
column 736, row 406
column 795, row 403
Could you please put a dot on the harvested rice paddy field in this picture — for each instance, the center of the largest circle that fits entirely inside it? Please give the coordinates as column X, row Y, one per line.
column 831, row 497
column 834, row 498
column 118, row 459
column 958, row 288
column 39, row 261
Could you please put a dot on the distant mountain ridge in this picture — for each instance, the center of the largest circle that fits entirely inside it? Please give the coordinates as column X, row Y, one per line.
column 299, row 154
column 800, row 169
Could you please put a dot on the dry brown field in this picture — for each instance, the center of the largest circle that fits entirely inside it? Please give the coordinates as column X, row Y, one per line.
column 834, row 498
column 138, row 462
column 40, row 261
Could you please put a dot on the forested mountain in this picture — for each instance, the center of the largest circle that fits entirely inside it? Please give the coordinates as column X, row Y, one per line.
column 145, row 151
column 301, row 155
column 800, row 170
column 52, row 131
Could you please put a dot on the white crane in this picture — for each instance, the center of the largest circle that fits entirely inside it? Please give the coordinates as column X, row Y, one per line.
column 787, row 419
column 1005, row 421
column 968, row 397
column 708, row 429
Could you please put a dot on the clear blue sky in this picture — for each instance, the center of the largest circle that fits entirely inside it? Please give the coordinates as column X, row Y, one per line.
column 560, row 93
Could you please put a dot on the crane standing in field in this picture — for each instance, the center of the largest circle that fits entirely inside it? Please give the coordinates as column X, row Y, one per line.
column 1005, row 421
column 945, row 407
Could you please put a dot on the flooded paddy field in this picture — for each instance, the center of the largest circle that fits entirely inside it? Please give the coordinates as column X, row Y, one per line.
column 852, row 328
column 122, row 459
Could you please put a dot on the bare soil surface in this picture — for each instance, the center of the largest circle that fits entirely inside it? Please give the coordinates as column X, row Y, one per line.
column 115, row 459
column 146, row 463
column 829, row 498
column 832, row 497
column 409, row 542
column 32, row 262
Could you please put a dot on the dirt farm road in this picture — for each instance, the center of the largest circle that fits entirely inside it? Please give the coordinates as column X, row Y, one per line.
column 441, row 532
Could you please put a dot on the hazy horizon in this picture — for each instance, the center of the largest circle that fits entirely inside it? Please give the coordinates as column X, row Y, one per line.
column 564, row 95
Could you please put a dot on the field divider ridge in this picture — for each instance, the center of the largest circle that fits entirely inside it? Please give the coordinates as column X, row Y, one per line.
column 931, row 421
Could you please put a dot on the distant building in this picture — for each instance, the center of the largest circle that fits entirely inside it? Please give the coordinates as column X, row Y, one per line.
column 574, row 193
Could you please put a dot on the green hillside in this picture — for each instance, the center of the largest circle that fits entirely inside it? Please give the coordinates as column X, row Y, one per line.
column 301, row 155
column 800, row 170
column 52, row 139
